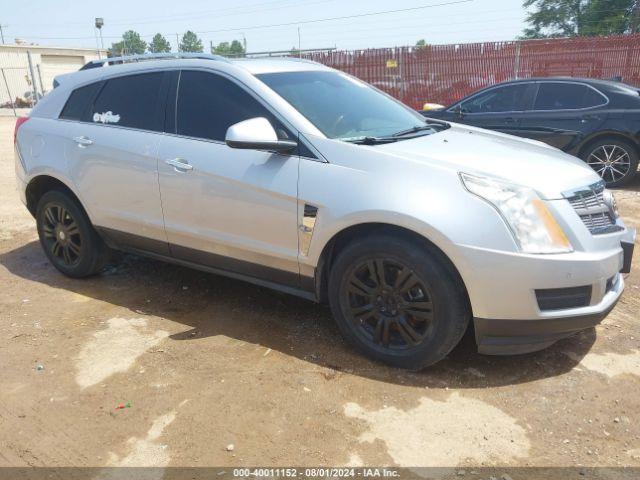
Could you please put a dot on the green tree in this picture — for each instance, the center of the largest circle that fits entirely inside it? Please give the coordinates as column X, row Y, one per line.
column 191, row 43
column 237, row 48
column 635, row 18
column 131, row 44
column 609, row 17
column 233, row 49
column 159, row 44
column 221, row 49
column 421, row 43
column 568, row 18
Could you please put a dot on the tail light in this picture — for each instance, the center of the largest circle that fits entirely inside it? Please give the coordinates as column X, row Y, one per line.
column 19, row 122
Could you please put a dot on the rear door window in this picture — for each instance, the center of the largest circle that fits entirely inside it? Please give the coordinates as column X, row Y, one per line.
column 567, row 96
column 132, row 101
column 79, row 103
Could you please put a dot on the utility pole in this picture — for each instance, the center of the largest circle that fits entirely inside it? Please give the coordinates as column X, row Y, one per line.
column 97, row 45
column 177, row 43
column 211, row 46
column 2, row 33
column 299, row 44
column 99, row 22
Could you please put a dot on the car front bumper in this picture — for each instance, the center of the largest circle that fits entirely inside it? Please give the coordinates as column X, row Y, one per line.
column 508, row 314
column 513, row 337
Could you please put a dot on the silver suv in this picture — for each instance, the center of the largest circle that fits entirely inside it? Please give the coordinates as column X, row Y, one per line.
column 291, row 175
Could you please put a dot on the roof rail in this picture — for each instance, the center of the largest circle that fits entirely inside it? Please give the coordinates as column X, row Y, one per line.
column 150, row 56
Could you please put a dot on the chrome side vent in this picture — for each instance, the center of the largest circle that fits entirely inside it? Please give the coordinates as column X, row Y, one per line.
column 306, row 228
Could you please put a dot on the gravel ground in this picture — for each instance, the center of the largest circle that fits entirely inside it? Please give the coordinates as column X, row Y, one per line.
column 221, row 373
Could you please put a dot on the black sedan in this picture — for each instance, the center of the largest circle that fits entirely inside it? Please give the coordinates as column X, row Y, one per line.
column 596, row 120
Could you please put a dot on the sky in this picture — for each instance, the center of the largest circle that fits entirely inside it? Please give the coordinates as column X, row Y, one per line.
column 266, row 24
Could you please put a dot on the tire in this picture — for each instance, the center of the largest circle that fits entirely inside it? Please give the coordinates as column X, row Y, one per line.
column 413, row 322
column 67, row 236
column 615, row 160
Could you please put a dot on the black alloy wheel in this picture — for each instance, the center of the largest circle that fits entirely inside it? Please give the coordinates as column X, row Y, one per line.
column 62, row 235
column 398, row 300
column 67, row 237
column 390, row 306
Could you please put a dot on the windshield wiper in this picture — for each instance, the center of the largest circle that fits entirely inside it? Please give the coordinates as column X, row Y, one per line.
column 372, row 140
column 420, row 128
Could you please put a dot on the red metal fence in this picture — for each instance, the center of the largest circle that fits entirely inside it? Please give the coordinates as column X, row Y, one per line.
column 446, row 73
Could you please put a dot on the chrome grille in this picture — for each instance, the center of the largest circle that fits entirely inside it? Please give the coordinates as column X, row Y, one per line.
column 597, row 220
column 590, row 206
column 588, row 199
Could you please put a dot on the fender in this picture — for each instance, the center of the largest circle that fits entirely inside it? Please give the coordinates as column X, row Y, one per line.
column 41, row 171
column 325, row 237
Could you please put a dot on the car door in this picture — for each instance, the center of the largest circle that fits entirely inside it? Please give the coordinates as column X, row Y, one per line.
column 497, row 108
column 111, row 149
column 563, row 113
column 228, row 209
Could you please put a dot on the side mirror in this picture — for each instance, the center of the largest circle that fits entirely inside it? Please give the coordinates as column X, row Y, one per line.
column 256, row 134
column 458, row 110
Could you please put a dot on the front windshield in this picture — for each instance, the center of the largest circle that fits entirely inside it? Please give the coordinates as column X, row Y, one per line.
column 340, row 106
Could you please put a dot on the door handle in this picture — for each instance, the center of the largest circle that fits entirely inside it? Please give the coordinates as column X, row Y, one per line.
column 588, row 118
column 179, row 165
column 83, row 141
column 510, row 120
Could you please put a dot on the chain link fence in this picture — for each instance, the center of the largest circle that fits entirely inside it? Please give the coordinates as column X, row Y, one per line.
column 20, row 84
column 16, row 92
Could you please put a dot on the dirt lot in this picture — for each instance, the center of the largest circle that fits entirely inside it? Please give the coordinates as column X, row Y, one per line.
column 206, row 362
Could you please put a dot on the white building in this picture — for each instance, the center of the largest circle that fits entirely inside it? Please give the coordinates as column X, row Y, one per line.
column 47, row 63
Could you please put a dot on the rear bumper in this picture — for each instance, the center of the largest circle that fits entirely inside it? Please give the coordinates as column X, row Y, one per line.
column 21, row 184
column 514, row 337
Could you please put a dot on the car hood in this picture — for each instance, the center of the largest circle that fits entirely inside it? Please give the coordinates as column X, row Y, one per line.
column 482, row 152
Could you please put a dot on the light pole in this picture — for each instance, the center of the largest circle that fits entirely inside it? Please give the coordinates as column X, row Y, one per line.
column 99, row 23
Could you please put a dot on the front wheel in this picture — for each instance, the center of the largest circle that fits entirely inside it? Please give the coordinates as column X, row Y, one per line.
column 615, row 160
column 397, row 302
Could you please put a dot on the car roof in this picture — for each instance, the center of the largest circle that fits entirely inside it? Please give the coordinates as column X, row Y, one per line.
column 588, row 81
column 253, row 66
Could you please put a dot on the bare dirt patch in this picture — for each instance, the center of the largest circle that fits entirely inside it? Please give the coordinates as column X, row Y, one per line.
column 434, row 433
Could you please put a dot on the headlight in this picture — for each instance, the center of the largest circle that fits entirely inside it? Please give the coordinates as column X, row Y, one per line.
column 530, row 221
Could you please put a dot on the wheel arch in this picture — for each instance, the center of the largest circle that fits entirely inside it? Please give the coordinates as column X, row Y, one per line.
column 43, row 183
column 352, row 233
column 601, row 135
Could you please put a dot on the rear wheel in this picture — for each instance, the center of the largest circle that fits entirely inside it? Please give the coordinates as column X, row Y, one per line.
column 397, row 302
column 615, row 160
column 67, row 236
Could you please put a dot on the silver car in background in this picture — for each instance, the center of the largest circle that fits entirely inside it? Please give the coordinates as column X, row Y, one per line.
column 294, row 176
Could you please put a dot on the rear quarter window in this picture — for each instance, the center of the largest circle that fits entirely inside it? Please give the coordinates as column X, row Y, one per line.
column 79, row 102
